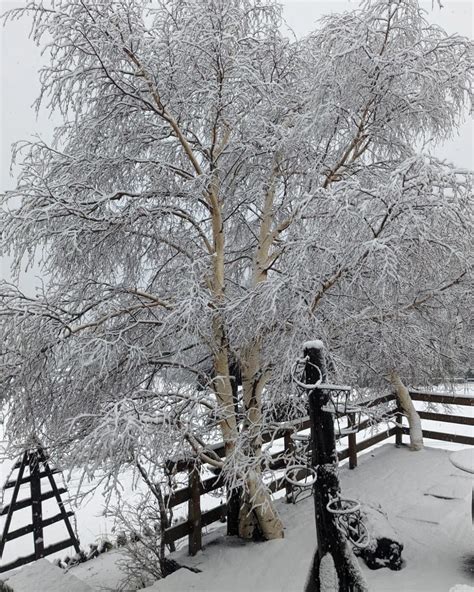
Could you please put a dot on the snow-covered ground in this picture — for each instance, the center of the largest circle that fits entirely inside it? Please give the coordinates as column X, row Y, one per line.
column 437, row 533
column 373, row 480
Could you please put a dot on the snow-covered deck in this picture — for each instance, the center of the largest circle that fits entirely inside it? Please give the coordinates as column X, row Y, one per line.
column 426, row 499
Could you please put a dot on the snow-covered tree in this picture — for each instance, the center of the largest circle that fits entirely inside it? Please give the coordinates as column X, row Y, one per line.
column 218, row 194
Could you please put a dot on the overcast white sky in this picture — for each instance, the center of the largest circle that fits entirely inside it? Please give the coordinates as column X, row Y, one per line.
column 21, row 59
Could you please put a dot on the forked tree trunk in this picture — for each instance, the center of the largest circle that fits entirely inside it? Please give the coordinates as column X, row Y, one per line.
column 414, row 421
column 257, row 510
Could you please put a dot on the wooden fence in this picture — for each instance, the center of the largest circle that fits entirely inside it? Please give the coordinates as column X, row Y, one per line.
column 198, row 519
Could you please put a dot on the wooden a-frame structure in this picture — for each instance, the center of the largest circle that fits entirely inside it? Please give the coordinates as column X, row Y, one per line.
column 35, row 462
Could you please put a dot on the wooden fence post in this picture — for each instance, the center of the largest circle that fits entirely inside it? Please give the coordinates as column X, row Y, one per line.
column 351, row 419
column 41, row 456
column 22, row 466
column 36, row 509
column 289, row 449
column 398, row 427
column 194, row 510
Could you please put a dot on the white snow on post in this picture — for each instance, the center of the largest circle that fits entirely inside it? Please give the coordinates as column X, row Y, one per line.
column 328, row 575
column 315, row 344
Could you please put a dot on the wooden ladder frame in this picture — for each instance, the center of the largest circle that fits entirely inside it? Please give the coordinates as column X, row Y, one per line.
column 33, row 459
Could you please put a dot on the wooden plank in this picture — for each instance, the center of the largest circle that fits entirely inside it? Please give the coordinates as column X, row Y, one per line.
column 58, row 547
column 182, row 464
column 378, row 401
column 178, row 531
column 183, row 495
column 10, row 508
column 15, row 534
column 212, row 483
column 57, row 493
column 36, row 504
column 289, row 449
column 445, row 437
column 375, row 439
column 27, row 502
column 182, row 529
column 179, row 465
column 399, row 427
column 29, row 558
column 343, row 454
column 277, row 485
column 460, row 419
column 367, row 423
column 194, row 512
column 352, row 438
column 214, row 515
column 445, row 398
column 28, row 478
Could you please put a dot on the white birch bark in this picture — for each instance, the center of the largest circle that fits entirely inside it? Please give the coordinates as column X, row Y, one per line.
column 253, row 382
column 414, row 421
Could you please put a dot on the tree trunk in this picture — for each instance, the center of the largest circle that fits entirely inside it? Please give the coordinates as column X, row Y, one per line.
column 414, row 421
column 258, row 514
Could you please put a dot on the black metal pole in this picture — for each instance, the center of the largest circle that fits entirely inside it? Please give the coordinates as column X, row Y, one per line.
column 324, row 461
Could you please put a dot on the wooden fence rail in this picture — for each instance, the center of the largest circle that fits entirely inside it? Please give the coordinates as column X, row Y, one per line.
column 198, row 519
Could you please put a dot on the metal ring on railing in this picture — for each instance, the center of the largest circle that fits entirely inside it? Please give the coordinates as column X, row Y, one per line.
column 352, row 506
column 358, row 535
column 295, row 468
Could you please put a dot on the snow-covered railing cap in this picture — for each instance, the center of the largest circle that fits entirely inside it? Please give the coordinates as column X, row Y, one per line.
column 334, row 387
column 315, row 344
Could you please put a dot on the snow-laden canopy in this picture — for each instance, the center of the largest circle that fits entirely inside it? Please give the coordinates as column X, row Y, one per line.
column 219, row 195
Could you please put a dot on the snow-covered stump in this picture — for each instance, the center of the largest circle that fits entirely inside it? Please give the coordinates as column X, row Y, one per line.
column 332, row 546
